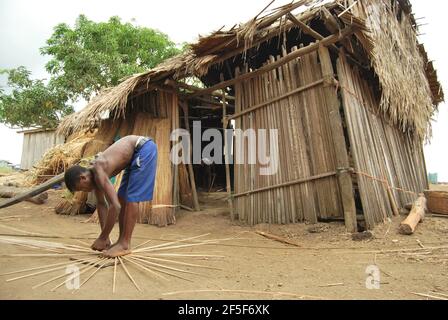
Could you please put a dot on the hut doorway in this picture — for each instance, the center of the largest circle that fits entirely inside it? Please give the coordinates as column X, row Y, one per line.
column 205, row 125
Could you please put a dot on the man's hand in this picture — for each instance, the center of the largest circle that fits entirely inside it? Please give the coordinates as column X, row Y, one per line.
column 101, row 244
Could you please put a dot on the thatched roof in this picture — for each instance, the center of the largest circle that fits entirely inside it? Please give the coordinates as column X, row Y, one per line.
column 222, row 45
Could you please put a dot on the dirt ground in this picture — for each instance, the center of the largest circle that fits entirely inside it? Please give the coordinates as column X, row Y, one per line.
column 326, row 265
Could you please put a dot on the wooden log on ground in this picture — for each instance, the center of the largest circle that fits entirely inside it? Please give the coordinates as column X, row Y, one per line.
column 39, row 199
column 416, row 215
column 33, row 192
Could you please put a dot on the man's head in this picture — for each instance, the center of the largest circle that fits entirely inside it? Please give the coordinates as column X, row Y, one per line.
column 78, row 178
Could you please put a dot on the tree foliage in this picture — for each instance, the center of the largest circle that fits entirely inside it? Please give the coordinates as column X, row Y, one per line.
column 93, row 55
column 31, row 103
column 83, row 60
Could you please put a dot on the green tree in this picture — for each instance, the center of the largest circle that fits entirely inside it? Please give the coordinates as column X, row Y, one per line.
column 83, row 60
column 93, row 55
column 31, row 103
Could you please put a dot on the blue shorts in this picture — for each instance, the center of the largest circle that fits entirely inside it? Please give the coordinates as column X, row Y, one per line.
column 137, row 184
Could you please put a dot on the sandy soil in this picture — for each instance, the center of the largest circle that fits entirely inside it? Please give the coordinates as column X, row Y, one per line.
column 252, row 263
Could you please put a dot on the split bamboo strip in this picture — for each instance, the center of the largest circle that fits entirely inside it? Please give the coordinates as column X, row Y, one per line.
column 176, row 262
column 38, row 273
column 144, row 268
column 89, row 262
column 114, row 280
column 35, row 268
column 128, row 274
column 163, row 266
column 91, row 266
column 168, row 273
column 93, row 273
column 171, row 243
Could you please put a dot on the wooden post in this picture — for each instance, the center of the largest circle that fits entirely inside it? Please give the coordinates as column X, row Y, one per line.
column 342, row 162
column 225, row 123
column 175, row 126
column 190, row 165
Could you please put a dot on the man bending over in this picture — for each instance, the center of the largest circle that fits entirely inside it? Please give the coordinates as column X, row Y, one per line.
column 138, row 157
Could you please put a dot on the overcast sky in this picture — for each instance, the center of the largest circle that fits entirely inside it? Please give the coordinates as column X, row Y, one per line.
column 25, row 25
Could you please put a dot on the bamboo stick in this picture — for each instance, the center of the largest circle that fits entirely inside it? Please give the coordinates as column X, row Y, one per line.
column 144, row 268
column 172, row 242
column 276, row 99
column 169, row 273
column 89, row 262
column 92, row 265
column 165, row 267
column 286, row 184
column 37, row 273
column 141, row 245
column 429, row 296
column 185, row 255
column 225, row 124
column 115, row 275
column 177, row 262
column 190, row 165
column 93, row 273
column 35, row 268
column 276, row 238
column 128, row 274
column 244, row 292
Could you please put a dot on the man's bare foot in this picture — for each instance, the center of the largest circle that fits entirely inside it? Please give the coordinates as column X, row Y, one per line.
column 100, row 244
column 117, row 250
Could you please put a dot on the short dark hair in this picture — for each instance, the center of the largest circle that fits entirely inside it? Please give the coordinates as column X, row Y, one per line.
column 71, row 177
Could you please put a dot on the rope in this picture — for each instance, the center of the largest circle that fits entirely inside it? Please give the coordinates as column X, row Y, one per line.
column 385, row 182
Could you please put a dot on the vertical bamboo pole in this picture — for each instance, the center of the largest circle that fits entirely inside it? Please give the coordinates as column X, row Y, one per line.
column 190, row 165
column 225, row 124
column 175, row 126
column 344, row 177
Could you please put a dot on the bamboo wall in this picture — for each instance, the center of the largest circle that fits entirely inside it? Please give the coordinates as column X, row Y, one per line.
column 292, row 100
column 387, row 161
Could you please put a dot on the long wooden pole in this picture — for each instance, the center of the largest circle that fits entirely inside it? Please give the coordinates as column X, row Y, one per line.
column 278, row 98
column 190, row 165
column 175, row 126
column 268, row 67
column 286, row 184
column 225, row 124
column 309, row 31
column 33, row 192
column 340, row 146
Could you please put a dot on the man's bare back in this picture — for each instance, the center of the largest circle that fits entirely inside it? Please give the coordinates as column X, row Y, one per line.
column 117, row 157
